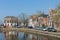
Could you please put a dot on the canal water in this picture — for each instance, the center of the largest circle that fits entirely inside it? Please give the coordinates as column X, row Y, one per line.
column 23, row 36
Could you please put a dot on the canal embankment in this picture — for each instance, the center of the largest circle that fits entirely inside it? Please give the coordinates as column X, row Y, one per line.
column 33, row 31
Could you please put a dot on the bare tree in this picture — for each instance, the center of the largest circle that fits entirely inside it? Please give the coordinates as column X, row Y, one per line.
column 22, row 17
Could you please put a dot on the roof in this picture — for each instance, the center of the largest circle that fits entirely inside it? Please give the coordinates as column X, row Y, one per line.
column 10, row 17
column 44, row 15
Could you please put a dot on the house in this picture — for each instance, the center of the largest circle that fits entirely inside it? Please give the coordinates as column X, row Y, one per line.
column 32, row 20
column 55, row 14
column 43, row 19
column 10, row 21
column 38, row 20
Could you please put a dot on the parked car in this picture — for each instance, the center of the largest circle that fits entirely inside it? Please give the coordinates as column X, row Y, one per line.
column 44, row 29
column 51, row 29
column 37, row 27
column 30, row 27
column 20, row 26
column 15, row 26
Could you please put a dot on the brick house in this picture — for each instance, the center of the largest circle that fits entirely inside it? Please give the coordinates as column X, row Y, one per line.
column 53, row 13
column 38, row 20
column 10, row 21
column 43, row 19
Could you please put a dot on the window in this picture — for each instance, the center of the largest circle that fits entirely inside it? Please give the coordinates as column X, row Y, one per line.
column 8, row 21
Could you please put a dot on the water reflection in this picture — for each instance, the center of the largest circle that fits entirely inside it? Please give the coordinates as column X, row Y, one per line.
column 23, row 36
column 10, row 35
column 20, row 35
column 2, row 37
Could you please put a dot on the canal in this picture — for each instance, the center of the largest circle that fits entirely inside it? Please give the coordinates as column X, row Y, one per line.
column 23, row 36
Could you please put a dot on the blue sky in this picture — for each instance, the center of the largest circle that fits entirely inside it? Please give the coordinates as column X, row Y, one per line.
column 15, row 7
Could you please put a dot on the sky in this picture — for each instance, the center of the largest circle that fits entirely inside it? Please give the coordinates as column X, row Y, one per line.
column 28, row 7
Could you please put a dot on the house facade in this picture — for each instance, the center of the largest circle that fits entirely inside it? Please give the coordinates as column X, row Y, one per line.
column 10, row 21
column 38, row 20
column 55, row 18
column 32, row 21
